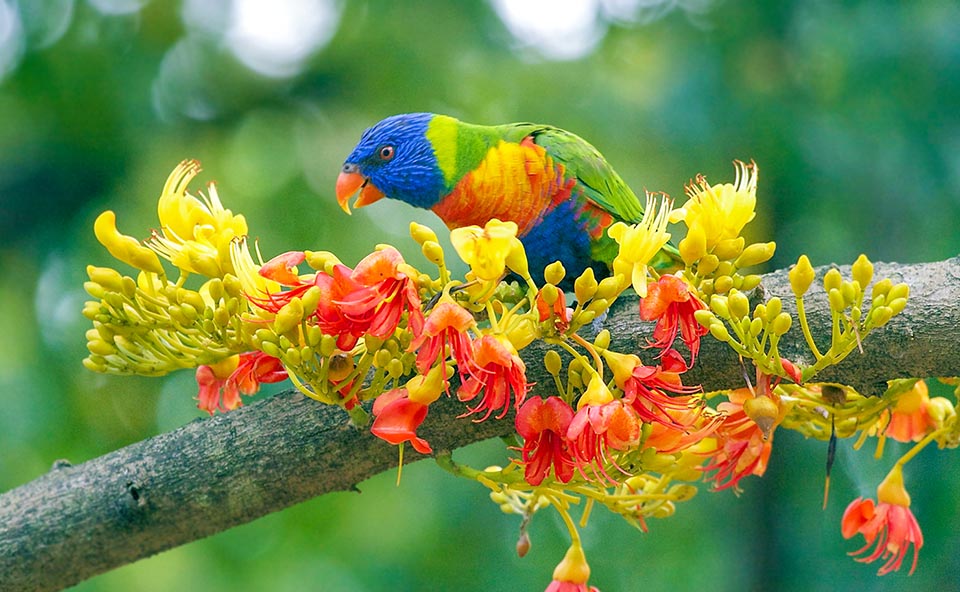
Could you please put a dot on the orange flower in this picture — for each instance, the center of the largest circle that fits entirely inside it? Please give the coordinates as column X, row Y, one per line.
column 742, row 448
column 646, row 389
column 397, row 419
column 888, row 526
column 910, row 421
column 670, row 302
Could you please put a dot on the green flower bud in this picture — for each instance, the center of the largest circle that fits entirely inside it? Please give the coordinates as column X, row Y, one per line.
column 270, row 349
column 382, row 358
column 719, row 332
column 310, row 300
column 314, row 335
column 395, row 368
column 328, row 345
column 718, row 304
column 552, row 362
column 705, row 317
column 849, row 292
column 756, row 327
column 292, row 357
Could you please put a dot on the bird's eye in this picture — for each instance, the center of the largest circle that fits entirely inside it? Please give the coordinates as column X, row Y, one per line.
column 385, row 153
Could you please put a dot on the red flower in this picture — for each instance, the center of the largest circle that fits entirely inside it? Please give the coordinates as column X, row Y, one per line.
column 397, row 419
column 445, row 327
column 496, row 371
column 890, row 524
column 595, row 429
column 221, row 384
column 558, row 310
column 543, row 425
column 646, row 389
column 367, row 300
column 670, row 302
column 910, row 418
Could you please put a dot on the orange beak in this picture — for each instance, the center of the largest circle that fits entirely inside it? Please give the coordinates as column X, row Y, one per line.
column 347, row 185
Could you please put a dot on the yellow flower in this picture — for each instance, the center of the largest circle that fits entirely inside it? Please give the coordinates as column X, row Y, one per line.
column 491, row 249
column 195, row 234
column 639, row 243
column 720, row 211
column 123, row 247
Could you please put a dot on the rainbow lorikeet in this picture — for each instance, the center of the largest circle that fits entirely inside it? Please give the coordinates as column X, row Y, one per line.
column 559, row 189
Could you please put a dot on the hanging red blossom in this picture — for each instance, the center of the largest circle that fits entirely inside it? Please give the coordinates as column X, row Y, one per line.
column 499, row 373
column 221, row 384
column 742, row 447
column 671, row 303
column 396, row 419
column 595, row 429
column 445, row 328
column 543, row 425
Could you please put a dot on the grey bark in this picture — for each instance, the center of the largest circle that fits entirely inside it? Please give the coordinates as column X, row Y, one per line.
column 75, row 522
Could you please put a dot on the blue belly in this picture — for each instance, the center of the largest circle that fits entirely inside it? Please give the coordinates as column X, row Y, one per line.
column 560, row 236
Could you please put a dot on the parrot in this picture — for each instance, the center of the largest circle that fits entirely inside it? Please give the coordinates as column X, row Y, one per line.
column 558, row 189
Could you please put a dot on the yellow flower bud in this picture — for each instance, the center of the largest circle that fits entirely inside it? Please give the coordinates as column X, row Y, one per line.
column 832, row 280
column 756, row 254
column 422, row 234
column 718, row 304
column 749, row 282
column 722, row 284
column 836, row 299
column 602, row 339
column 863, row 271
column 774, row 308
column 897, row 305
column 781, row 323
column 427, row 389
column 622, row 365
column 585, row 286
column 550, row 294
column 321, row 260
column 289, row 316
column 122, row 247
column 729, row 249
column 554, row 273
column 882, row 288
column 433, row 252
column 522, row 333
column 552, row 362
column 881, row 315
column 610, row 287
column 574, row 568
column 738, row 304
column 693, row 247
column 719, row 332
column 704, row 317
column 106, row 277
column 801, row 276
column 708, row 264
column 940, row 410
column 597, row 393
column 763, row 411
column 898, row 291
column 891, row 490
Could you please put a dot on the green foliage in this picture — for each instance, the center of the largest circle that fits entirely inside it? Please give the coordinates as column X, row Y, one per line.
column 851, row 109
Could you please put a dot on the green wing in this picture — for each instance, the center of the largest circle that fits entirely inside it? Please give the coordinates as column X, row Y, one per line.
column 599, row 182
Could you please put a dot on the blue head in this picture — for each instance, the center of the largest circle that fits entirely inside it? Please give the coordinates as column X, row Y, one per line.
column 393, row 159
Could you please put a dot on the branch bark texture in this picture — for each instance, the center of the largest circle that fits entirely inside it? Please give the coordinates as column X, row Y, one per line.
column 75, row 522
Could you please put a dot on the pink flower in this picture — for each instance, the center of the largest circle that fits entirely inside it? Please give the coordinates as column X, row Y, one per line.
column 445, row 328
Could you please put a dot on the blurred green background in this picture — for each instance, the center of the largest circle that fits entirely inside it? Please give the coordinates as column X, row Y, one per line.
column 852, row 112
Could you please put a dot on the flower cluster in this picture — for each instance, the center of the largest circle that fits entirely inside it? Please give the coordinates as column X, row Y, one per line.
column 624, row 429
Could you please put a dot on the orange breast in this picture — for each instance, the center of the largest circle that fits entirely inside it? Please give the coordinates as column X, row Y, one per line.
column 517, row 182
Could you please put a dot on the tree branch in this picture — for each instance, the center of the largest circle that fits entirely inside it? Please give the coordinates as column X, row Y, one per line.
column 78, row 521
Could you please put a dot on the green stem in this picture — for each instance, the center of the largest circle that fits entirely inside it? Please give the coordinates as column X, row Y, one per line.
column 802, row 315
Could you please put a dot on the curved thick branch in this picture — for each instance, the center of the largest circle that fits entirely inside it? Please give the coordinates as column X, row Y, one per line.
column 78, row 521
